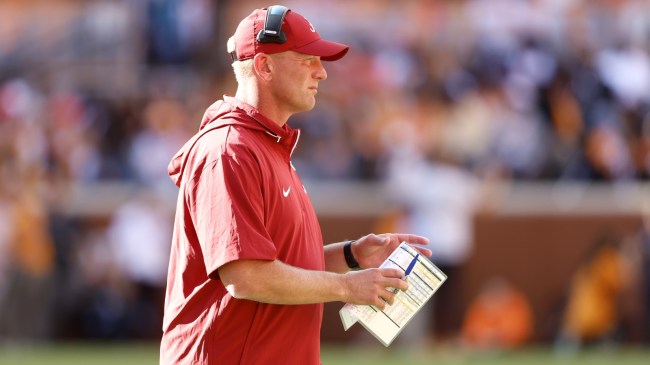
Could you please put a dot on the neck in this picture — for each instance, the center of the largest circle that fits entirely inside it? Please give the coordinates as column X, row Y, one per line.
column 263, row 103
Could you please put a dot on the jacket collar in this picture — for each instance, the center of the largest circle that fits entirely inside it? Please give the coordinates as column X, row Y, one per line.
column 285, row 135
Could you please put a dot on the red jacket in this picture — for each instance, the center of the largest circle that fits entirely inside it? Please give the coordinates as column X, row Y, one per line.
column 239, row 198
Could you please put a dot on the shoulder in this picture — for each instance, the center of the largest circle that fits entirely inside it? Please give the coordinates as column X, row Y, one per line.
column 230, row 150
column 230, row 140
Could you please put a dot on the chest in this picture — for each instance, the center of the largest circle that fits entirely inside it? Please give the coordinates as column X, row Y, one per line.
column 284, row 193
column 286, row 210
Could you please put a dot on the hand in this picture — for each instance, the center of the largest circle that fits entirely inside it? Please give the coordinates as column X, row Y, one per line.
column 369, row 287
column 373, row 249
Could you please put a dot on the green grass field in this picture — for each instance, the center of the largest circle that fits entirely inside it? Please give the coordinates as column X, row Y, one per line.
column 147, row 354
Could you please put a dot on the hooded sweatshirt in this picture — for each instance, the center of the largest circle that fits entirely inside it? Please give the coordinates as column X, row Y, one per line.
column 239, row 198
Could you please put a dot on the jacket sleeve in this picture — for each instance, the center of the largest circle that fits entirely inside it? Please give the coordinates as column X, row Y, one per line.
column 227, row 208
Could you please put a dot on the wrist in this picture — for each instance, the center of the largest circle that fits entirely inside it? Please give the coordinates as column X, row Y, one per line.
column 350, row 260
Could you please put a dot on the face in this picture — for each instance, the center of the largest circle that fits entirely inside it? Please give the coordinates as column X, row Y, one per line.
column 295, row 80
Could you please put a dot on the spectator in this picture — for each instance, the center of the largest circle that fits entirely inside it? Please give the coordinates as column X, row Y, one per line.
column 499, row 318
column 592, row 312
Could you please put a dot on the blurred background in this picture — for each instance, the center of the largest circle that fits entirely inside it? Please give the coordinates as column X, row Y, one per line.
column 515, row 134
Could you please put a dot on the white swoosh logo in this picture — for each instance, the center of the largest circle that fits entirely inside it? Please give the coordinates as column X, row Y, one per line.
column 286, row 192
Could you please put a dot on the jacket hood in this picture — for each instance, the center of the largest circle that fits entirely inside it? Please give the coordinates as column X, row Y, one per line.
column 231, row 112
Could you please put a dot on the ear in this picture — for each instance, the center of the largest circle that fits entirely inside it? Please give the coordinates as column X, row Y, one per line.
column 263, row 65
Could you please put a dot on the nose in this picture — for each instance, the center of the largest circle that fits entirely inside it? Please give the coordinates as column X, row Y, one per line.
column 319, row 70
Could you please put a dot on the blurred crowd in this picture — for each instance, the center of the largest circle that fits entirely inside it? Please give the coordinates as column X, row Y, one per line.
column 437, row 94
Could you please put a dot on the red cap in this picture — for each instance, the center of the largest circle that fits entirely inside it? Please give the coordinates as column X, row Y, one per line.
column 300, row 37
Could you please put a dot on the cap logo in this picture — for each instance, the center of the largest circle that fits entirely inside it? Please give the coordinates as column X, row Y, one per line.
column 311, row 27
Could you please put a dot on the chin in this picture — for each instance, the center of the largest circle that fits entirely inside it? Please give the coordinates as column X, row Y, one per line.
column 309, row 106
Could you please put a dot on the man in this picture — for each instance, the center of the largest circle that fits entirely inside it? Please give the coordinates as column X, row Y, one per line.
column 248, row 272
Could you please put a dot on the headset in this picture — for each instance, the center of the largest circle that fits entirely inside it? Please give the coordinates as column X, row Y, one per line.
column 272, row 32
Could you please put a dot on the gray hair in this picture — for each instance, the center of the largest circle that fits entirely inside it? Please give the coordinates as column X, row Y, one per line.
column 243, row 69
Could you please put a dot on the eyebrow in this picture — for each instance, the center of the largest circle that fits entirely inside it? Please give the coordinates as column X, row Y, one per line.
column 303, row 56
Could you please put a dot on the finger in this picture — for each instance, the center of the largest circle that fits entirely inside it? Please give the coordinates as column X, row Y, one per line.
column 412, row 238
column 423, row 250
column 380, row 303
column 389, row 272
column 395, row 283
column 400, row 284
column 388, row 296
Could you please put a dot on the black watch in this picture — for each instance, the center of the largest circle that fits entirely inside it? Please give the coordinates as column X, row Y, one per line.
column 349, row 257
